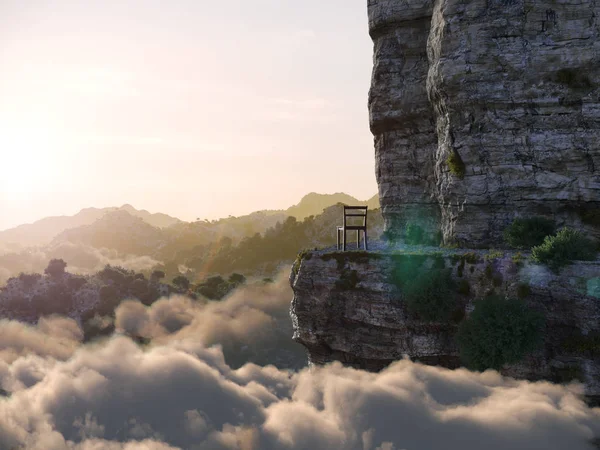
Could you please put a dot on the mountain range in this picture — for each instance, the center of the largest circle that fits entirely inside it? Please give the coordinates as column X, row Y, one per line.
column 313, row 204
column 44, row 231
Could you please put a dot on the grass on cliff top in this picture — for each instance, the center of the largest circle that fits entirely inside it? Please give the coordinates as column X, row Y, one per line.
column 303, row 255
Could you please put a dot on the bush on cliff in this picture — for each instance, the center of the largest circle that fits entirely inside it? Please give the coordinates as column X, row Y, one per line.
column 527, row 233
column 499, row 331
column 566, row 246
column 431, row 295
column 456, row 165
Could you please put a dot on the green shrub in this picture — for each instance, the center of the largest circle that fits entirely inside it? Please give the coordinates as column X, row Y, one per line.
column 498, row 332
column 566, row 246
column 493, row 254
column 214, row 288
column 431, row 295
column 237, row 279
column 456, row 164
column 518, row 259
column 181, row 282
column 527, row 233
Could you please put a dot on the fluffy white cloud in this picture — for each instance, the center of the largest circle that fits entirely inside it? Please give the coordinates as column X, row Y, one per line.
column 179, row 392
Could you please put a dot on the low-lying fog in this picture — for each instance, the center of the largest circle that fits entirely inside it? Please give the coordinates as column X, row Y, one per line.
column 177, row 390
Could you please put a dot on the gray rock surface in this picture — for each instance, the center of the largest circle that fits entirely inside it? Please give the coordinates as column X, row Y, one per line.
column 368, row 326
column 511, row 88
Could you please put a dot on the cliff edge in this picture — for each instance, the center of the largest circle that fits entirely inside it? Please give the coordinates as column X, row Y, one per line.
column 349, row 307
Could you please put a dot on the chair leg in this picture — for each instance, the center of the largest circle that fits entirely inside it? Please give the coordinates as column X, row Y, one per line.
column 358, row 239
column 365, row 240
column 338, row 238
column 344, row 245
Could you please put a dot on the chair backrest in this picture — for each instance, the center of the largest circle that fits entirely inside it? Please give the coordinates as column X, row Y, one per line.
column 355, row 211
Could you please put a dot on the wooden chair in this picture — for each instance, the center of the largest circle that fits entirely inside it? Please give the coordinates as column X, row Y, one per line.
column 353, row 211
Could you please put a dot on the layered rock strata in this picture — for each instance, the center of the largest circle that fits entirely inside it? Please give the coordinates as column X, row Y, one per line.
column 483, row 111
column 347, row 308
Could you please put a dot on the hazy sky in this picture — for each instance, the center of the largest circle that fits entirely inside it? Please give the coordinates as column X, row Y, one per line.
column 194, row 108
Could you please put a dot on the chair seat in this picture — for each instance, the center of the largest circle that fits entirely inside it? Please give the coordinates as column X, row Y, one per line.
column 353, row 212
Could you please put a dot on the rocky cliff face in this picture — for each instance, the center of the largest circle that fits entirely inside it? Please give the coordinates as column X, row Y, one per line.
column 484, row 110
column 360, row 318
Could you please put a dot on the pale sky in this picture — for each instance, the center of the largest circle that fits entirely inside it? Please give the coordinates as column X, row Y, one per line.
column 194, row 108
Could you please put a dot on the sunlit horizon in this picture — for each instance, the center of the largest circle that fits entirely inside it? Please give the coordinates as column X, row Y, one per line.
column 189, row 109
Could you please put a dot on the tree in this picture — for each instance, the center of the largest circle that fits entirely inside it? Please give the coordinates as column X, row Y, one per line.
column 76, row 283
column 115, row 274
column 181, row 282
column 236, row 279
column 28, row 279
column 56, row 268
column 214, row 288
column 499, row 331
column 156, row 276
column 138, row 288
column 109, row 300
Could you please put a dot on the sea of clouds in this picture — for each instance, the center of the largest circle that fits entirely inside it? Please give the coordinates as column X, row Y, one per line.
column 179, row 391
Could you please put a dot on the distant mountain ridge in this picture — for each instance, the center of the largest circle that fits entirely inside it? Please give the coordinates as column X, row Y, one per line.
column 80, row 226
column 313, row 204
column 43, row 231
column 118, row 229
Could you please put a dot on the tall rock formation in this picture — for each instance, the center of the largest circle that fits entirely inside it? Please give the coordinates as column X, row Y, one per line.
column 486, row 110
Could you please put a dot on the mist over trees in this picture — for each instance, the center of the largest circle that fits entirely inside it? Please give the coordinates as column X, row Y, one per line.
column 255, row 244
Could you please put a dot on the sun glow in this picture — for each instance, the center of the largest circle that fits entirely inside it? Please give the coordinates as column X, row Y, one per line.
column 27, row 160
